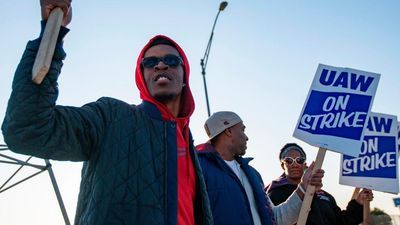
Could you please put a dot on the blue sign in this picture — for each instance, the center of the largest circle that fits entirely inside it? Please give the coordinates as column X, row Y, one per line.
column 377, row 159
column 396, row 201
column 345, row 120
column 376, row 165
column 336, row 110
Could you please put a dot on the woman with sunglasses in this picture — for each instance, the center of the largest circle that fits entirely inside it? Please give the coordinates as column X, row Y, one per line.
column 324, row 210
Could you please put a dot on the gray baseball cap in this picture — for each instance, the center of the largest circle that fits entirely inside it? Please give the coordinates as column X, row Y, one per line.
column 220, row 121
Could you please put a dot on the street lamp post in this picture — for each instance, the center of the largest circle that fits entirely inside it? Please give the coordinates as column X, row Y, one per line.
column 204, row 60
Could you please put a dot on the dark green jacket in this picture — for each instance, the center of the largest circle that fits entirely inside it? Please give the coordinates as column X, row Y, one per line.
column 130, row 156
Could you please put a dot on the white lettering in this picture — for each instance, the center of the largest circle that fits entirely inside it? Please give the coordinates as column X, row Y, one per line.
column 329, row 104
column 327, row 121
column 365, row 164
column 332, row 120
column 305, row 119
column 391, row 159
column 342, row 102
column 369, row 147
column 359, row 119
column 345, row 119
column 373, row 145
column 363, row 147
column 346, row 166
column 335, row 103
column 314, row 125
column 369, row 163
column 380, row 161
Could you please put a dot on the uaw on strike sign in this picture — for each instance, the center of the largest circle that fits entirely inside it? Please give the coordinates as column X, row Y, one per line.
column 376, row 165
column 337, row 108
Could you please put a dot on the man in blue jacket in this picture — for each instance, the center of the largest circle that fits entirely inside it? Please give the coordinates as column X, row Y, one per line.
column 235, row 189
column 140, row 166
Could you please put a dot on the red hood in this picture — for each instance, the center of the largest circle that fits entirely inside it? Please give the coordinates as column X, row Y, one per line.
column 206, row 147
column 187, row 101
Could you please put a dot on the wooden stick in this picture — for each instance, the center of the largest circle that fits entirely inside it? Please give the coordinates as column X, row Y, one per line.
column 366, row 212
column 47, row 46
column 355, row 193
column 366, row 208
column 308, row 197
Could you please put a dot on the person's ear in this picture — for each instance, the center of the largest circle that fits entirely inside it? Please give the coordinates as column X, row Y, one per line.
column 228, row 132
column 282, row 166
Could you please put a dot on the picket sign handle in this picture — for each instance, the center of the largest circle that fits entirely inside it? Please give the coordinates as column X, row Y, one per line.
column 366, row 212
column 308, row 196
column 46, row 49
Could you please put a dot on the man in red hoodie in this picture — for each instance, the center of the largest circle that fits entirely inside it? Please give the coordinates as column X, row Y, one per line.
column 162, row 78
column 139, row 161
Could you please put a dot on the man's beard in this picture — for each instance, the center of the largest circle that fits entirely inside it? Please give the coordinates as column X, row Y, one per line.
column 165, row 98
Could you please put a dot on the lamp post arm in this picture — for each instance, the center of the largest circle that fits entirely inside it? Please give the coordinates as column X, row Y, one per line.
column 204, row 60
column 208, row 48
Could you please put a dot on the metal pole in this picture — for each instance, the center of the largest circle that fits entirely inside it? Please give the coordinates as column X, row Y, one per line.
column 204, row 60
column 57, row 191
column 39, row 167
column 205, row 89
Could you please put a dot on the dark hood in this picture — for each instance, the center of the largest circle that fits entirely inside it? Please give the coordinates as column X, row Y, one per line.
column 281, row 181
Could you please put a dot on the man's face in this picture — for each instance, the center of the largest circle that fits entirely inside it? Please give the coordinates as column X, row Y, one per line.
column 164, row 82
column 239, row 139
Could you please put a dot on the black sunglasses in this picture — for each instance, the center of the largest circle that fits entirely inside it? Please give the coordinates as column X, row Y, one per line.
column 169, row 60
column 289, row 160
